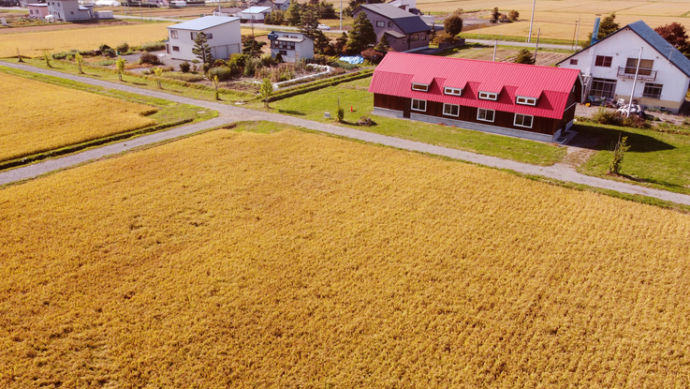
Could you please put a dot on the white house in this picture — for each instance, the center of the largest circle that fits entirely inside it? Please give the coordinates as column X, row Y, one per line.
column 405, row 5
column 70, row 10
column 609, row 68
column 222, row 34
column 292, row 46
column 255, row 13
column 281, row 5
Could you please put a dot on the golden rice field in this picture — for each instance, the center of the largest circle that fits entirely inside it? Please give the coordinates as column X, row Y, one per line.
column 36, row 42
column 40, row 116
column 557, row 18
column 300, row 260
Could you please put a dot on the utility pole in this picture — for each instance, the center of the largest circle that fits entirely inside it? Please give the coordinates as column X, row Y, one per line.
column 536, row 48
column 531, row 21
column 577, row 34
column 341, row 15
column 637, row 70
column 493, row 59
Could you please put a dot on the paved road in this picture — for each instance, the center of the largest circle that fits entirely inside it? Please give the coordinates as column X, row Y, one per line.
column 522, row 44
column 228, row 113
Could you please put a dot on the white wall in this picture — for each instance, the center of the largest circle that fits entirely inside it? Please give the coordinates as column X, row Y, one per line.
column 68, row 10
column 224, row 36
column 626, row 44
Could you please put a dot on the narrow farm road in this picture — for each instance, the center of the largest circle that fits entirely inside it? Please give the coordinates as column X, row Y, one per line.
column 488, row 42
column 229, row 113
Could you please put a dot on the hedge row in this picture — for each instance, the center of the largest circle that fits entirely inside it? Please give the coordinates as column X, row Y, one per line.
column 321, row 84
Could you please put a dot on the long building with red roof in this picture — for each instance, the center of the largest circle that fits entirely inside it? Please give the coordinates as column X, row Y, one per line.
column 528, row 101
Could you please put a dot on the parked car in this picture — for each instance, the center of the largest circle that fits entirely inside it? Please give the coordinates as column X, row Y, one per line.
column 323, row 27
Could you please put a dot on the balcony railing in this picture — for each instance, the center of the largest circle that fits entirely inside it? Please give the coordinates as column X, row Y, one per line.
column 643, row 73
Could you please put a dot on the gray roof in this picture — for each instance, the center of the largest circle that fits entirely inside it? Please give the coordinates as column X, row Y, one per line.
column 256, row 10
column 409, row 23
column 653, row 39
column 661, row 45
column 203, row 23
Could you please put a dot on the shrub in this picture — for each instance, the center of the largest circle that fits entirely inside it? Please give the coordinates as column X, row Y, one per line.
column 123, row 48
column 372, row 55
column 525, row 57
column 341, row 114
column 513, row 15
column 218, row 62
column 267, row 60
column 250, row 67
column 605, row 116
column 149, row 58
column 64, row 54
column 184, row 67
column 107, row 51
column 224, row 73
column 365, row 121
column 618, row 152
column 154, row 46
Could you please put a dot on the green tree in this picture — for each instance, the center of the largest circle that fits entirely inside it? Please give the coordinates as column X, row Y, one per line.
column 251, row 46
column 340, row 43
column 266, row 91
column 362, row 34
column 326, row 11
column 80, row 62
column 322, row 45
column 524, row 56
column 46, row 57
column 294, row 15
column 158, row 72
column 215, row 85
column 275, row 17
column 607, row 27
column 453, row 24
column 120, row 66
column 383, row 45
column 495, row 15
column 202, row 49
column 620, row 149
column 514, row 15
column 309, row 20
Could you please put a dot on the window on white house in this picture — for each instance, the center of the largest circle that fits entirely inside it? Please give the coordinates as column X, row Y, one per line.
column 523, row 120
column 452, row 91
column 176, row 48
column 451, row 110
column 573, row 62
column 603, row 60
column 419, row 105
column 173, row 34
column 652, row 90
column 380, row 23
column 420, row 87
column 526, row 100
column 209, row 36
column 485, row 115
column 192, row 35
column 488, row 96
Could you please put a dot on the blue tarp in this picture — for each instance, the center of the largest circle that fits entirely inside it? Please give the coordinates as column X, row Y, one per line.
column 354, row 60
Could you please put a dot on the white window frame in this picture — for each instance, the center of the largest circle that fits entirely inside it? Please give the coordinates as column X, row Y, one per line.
column 488, row 96
column 450, row 91
column 417, row 109
column 493, row 115
column 516, row 124
column 380, row 23
column 526, row 100
column 420, row 87
column 451, row 105
column 173, row 34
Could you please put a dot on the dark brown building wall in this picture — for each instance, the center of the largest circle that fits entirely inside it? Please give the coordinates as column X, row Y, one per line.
column 469, row 114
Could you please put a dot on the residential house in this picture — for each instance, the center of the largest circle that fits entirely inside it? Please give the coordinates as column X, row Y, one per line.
column 222, row 33
column 404, row 31
column 70, row 10
column 38, row 10
column 256, row 14
column 281, row 5
column 292, row 46
column 527, row 101
column 405, row 5
column 610, row 68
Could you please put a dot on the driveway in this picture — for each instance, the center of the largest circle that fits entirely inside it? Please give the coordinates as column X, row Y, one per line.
column 228, row 113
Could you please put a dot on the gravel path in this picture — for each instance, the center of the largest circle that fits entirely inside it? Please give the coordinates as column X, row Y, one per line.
column 228, row 113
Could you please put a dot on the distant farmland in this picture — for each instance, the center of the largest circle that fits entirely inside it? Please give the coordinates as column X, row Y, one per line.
column 299, row 260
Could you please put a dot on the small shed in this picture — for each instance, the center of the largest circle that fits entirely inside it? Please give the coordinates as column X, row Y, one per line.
column 256, row 14
column 292, row 46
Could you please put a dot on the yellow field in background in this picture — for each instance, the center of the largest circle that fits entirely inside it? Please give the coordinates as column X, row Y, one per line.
column 557, row 18
column 39, row 116
column 34, row 43
column 301, row 260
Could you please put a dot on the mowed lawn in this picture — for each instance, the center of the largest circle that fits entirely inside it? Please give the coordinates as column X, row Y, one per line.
column 38, row 116
column 36, row 43
column 293, row 259
column 355, row 96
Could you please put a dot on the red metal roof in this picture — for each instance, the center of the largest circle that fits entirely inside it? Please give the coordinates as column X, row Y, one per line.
column 394, row 75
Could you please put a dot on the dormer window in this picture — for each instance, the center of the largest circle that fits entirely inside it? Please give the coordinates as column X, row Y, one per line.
column 420, row 87
column 452, row 91
column 526, row 100
column 488, row 96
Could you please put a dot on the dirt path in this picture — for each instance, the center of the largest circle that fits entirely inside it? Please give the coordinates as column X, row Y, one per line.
column 227, row 113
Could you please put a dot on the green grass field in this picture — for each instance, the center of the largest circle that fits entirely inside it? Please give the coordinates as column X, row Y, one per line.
column 354, row 94
column 657, row 159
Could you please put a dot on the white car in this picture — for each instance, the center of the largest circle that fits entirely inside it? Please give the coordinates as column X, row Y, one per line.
column 323, row 27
